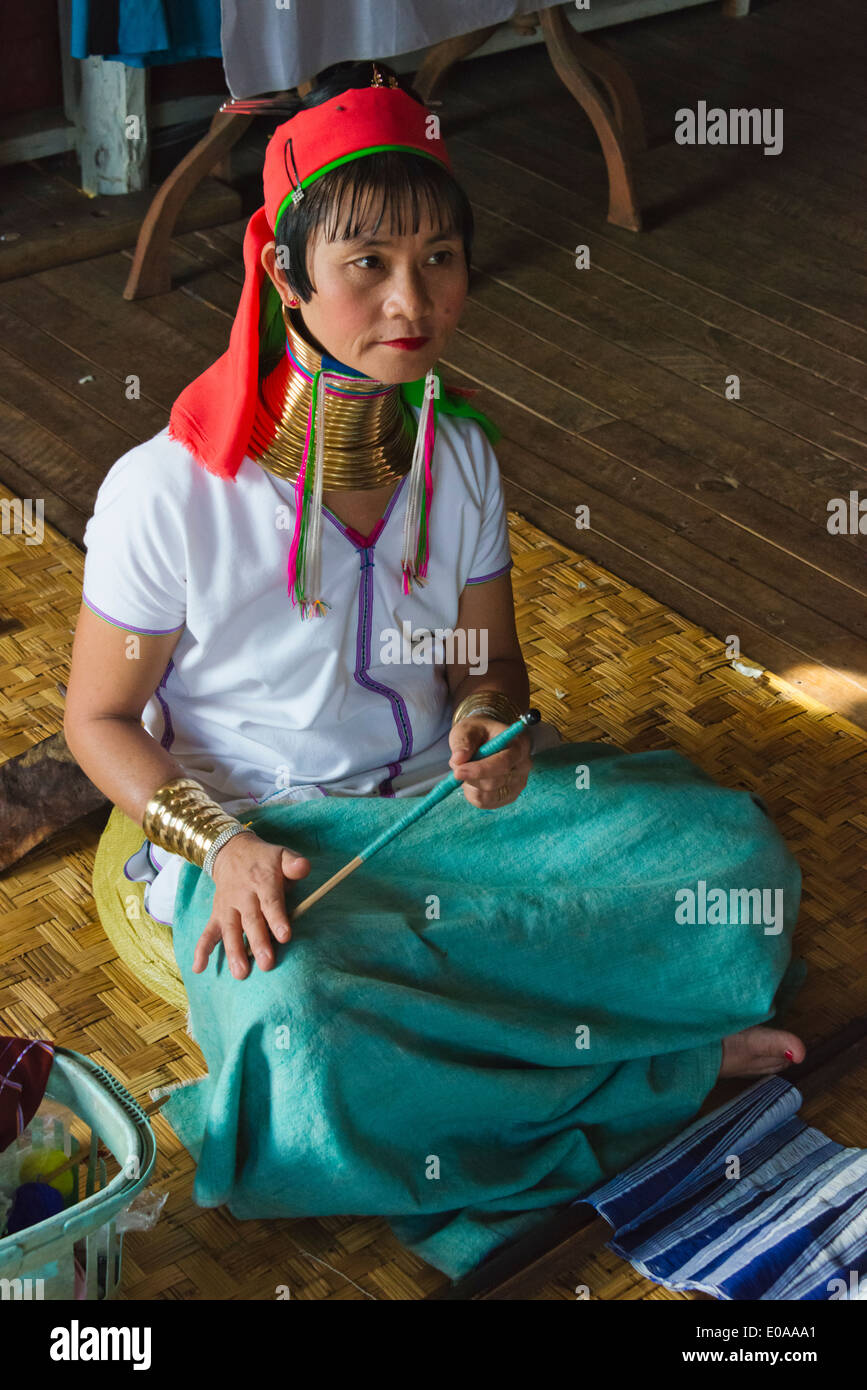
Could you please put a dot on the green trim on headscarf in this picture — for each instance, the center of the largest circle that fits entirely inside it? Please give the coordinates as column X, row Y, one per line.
column 345, row 159
column 272, row 328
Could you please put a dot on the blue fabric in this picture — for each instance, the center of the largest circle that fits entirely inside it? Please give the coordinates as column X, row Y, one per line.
column 146, row 33
column 331, row 364
column 791, row 1224
column 418, row 1052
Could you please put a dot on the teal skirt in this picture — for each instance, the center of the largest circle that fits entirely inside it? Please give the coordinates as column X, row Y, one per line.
column 497, row 1011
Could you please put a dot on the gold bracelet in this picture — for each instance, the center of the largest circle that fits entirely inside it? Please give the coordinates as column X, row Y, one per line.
column 490, row 702
column 182, row 819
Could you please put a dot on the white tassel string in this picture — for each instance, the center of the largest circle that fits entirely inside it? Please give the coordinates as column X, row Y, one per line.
column 416, row 489
column 313, row 539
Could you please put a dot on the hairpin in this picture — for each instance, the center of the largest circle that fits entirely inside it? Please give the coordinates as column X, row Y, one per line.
column 262, row 106
column 298, row 191
column 377, row 79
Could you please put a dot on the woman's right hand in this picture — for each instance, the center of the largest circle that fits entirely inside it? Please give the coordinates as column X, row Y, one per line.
column 249, row 897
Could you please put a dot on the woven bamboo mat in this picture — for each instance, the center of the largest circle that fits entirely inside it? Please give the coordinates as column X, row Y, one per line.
column 606, row 662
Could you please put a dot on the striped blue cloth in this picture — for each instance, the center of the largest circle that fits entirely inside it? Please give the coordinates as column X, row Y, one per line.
column 791, row 1225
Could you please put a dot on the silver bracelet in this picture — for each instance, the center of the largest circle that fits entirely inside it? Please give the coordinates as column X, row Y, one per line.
column 222, row 839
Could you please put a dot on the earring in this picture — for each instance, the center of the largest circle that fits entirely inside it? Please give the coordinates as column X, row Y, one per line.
column 293, row 304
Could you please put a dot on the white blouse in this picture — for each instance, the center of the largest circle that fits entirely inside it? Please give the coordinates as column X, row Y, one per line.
column 257, row 703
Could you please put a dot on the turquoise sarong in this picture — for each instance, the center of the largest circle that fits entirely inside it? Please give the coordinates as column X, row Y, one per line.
column 496, row 1012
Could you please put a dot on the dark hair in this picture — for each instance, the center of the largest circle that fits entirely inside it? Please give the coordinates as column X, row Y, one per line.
column 379, row 183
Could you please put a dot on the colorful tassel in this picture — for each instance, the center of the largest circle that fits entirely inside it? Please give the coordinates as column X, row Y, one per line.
column 416, row 548
column 304, row 574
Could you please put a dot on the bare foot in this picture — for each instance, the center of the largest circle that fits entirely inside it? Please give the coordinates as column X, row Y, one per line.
column 760, row 1051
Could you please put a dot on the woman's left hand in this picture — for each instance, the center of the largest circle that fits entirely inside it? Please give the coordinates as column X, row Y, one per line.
column 494, row 781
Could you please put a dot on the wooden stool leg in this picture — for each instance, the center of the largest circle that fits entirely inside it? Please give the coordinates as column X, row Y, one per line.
column 574, row 73
column 150, row 273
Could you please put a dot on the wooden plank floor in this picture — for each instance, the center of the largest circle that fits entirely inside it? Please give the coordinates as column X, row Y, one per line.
column 608, row 383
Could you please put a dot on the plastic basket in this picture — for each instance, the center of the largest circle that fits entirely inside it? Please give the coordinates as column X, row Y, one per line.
column 45, row 1252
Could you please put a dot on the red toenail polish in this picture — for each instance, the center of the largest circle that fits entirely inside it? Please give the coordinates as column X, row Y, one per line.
column 790, row 1055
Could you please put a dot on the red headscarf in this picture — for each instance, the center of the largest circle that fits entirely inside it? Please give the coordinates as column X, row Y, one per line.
column 213, row 416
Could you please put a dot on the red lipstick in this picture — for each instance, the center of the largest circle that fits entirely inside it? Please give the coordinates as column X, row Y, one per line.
column 408, row 344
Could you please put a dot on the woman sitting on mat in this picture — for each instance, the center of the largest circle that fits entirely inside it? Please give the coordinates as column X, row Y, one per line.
column 264, row 577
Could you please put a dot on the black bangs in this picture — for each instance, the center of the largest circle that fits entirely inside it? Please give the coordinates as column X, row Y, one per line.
column 392, row 191
column 360, row 196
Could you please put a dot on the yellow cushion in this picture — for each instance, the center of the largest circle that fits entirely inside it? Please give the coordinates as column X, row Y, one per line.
column 142, row 943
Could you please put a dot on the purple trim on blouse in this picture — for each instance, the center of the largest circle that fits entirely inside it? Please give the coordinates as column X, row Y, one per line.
column 494, row 575
column 145, row 631
column 157, row 867
column 132, row 856
column 365, row 546
column 157, row 919
column 385, row 787
column 168, row 737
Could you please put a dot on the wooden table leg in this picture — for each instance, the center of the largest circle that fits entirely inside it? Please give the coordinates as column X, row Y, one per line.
column 602, row 63
column 150, row 273
column 616, row 120
column 442, row 56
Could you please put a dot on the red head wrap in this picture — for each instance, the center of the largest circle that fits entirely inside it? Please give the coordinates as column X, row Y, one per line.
column 213, row 416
